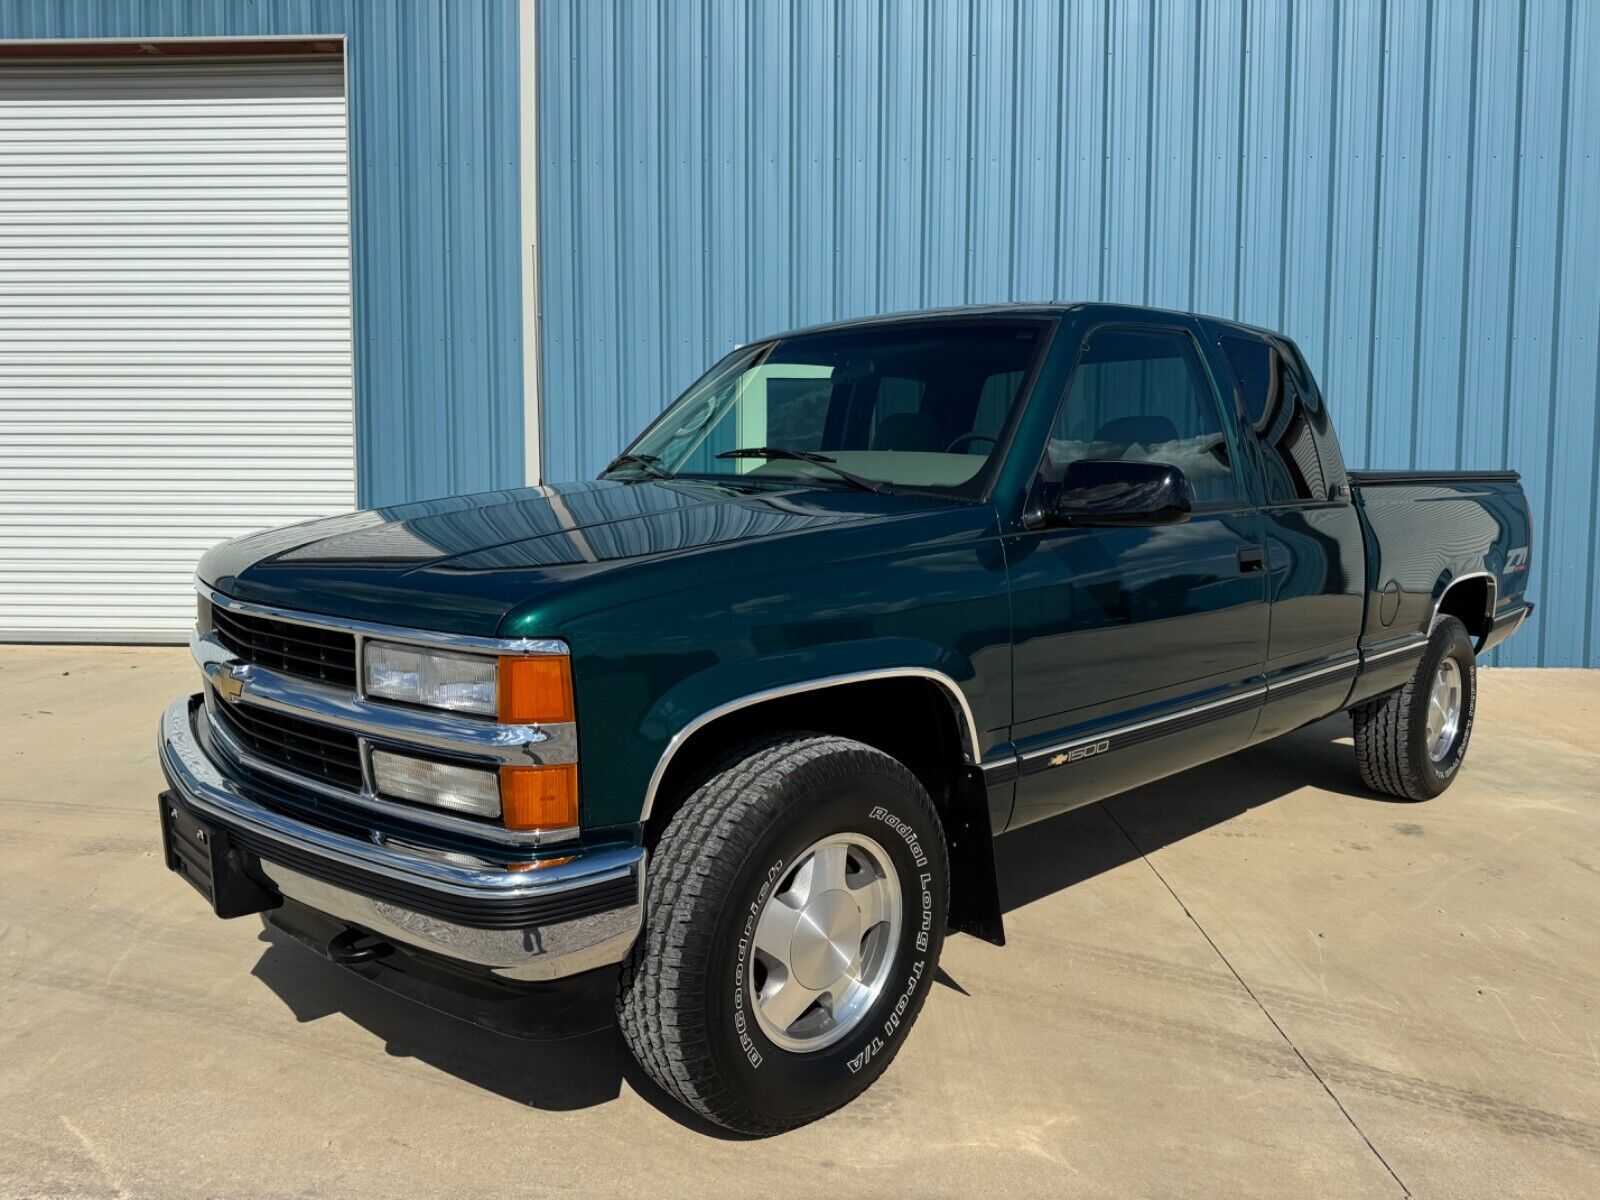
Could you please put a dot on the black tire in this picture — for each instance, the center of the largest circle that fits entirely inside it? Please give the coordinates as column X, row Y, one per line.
column 1391, row 730
column 683, row 1006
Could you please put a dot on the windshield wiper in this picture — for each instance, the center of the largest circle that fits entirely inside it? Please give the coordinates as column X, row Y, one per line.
column 806, row 456
column 645, row 462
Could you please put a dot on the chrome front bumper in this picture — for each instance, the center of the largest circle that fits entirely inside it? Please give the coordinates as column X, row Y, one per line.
column 521, row 925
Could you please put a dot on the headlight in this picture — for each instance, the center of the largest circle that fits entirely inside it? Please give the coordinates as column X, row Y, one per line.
column 515, row 689
column 433, row 678
column 521, row 689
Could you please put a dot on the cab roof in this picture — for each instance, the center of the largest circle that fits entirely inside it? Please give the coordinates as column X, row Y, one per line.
column 1025, row 309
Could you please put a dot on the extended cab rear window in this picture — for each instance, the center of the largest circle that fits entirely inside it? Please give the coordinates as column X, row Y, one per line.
column 1300, row 460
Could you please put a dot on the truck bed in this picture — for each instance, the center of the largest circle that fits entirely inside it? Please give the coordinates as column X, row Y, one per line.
column 1429, row 533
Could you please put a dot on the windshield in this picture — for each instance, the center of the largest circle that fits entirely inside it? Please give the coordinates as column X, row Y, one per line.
column 920, row 405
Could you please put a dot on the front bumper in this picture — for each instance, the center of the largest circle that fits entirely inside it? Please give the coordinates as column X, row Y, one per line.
column 533, row 926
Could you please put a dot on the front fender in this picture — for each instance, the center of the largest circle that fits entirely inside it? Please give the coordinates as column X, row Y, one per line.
column 695, row 635
column 729, row 687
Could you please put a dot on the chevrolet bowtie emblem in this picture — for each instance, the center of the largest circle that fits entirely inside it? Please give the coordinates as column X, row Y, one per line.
column 229, row 686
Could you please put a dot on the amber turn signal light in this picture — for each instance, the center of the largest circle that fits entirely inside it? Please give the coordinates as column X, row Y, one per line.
column 539, row 797
column 541, row 864
column 535, row 690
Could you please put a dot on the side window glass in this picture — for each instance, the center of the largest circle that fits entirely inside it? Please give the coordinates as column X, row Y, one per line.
column 1141, row 395
column 777, row 403
column 1281, row 420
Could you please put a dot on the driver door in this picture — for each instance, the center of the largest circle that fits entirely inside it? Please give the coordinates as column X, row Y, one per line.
column 1138, row 651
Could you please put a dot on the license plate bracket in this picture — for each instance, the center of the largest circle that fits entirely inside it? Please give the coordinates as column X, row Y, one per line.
column 205, row 856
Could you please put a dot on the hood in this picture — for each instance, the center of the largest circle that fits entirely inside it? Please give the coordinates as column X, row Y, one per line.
column 459, row 564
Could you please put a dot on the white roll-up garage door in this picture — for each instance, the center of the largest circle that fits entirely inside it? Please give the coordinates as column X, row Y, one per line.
column 175, row 348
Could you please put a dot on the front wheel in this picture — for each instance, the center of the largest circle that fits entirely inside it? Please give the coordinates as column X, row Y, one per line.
column 795, row 914
column 1411, row 742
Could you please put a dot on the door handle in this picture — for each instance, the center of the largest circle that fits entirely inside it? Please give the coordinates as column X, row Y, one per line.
column 1252, row 558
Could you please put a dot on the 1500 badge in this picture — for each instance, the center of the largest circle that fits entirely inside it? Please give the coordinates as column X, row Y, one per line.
column 1080, row 752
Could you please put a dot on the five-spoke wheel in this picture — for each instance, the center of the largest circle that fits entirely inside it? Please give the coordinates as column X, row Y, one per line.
column 1444, row 709
column 824, row 942
column 794, row 919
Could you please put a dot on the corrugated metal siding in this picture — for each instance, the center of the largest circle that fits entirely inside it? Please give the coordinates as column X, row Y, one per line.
column 174, row 329
column 435, row 220
column 1410, row 190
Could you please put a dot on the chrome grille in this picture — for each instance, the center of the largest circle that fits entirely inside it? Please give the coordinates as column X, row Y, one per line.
column 326, row 655
column 315, row 750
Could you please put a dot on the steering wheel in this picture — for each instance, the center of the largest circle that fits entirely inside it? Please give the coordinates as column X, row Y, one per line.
column 970, row 437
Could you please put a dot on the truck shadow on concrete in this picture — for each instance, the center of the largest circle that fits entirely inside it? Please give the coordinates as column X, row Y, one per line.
column 1057, row 853
column 560, row 1075
column 555, row 1076
column 1045, row 858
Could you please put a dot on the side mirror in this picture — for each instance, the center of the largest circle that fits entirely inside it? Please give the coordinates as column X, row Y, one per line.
column 1114, row 492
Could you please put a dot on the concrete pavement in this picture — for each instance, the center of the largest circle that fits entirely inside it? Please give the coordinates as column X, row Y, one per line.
column 1255, row 979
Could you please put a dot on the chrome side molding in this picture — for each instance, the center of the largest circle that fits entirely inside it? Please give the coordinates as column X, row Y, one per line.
column 1415, row 644
column 1121, row 737
column 1110, row 738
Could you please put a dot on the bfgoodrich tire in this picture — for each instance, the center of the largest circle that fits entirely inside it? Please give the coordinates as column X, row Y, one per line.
column 1411, row 742
column 795, row 914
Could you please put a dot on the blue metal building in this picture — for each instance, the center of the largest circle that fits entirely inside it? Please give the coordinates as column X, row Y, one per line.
column 1409, row 188
column 561, row 211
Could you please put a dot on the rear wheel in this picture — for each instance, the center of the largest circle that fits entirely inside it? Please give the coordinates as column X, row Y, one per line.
column 1411, row 742
column 796, row 907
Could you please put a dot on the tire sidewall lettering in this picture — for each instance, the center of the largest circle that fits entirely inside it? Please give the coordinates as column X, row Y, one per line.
column 868, row 1046
column 742, row 1022
column 924, row 922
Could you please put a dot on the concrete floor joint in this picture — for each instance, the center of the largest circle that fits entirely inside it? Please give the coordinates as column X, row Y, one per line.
column 1249, row 991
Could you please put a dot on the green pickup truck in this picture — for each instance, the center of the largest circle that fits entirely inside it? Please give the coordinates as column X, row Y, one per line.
column 716, row 746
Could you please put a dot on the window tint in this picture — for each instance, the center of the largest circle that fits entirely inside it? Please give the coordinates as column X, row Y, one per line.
column 1141, row 395
column 1284, row 422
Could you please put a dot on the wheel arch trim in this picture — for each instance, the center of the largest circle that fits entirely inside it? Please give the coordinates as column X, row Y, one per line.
column 966, row 724
column 1489, row 607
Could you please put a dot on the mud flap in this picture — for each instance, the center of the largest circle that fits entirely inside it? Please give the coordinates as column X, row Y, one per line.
column 974, row 887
